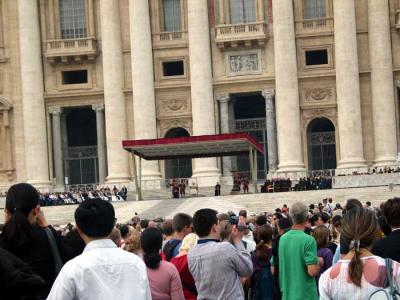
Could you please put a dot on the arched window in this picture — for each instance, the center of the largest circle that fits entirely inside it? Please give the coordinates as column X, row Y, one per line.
column 242, row 11
column 314, row 9
column 181, row 167
column 321, row 145
column 172, row 15
column 73, row 19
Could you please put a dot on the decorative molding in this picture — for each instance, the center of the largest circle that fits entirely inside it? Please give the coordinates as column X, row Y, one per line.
column 319, row 95
column 243, row 63
column 268, row 93
column 224, row 98
column 173, row 107
column 55, row 110
column 313, row 113
column 5, row 104
column 98, row 107
column 166, row 125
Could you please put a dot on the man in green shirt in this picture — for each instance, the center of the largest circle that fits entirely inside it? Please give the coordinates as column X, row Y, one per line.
column 298, row 261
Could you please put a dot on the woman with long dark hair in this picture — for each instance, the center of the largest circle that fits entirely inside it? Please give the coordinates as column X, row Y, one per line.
column 165, row 282
column 26, row 235
column 359, row 273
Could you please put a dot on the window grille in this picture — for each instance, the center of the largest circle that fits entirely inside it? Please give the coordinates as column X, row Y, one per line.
column 73, row 19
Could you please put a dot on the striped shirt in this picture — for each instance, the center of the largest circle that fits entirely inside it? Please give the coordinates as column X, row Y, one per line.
column 216, row 269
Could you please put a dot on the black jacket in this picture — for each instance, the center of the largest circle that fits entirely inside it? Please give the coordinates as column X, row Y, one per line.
column 388, row 247
column 38, row 256
column 17, row 281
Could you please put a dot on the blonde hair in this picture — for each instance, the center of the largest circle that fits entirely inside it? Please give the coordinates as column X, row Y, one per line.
column 132, row 244
column 189, row 242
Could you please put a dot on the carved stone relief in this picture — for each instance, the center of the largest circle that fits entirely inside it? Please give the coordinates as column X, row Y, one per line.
column 172, row 107
column 319, row 95
column 311, row 114
column 166, row 125
column 243, row 63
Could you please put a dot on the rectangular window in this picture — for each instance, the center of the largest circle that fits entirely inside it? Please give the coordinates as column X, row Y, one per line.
column 317, row 57
column 172, row 15
column 242, row 11
column 314, row 9
column 75, row 77
column 73, row 19
column 173, row 68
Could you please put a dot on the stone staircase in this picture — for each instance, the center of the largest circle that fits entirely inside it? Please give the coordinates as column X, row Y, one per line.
column 160, row 204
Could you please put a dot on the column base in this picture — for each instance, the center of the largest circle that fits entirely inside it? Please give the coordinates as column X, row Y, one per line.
column 351, row 166
column 292, row 170
column 226, row 180
column 41, row 186
column 385, row 162
column 207, row 178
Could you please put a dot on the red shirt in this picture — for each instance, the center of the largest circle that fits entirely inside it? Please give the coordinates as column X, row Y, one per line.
column 181, row 263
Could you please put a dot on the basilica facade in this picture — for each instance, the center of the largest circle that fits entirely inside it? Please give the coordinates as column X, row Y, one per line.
column 316, row 82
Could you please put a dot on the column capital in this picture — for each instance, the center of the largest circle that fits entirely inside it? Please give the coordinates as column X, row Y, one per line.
column 224, row 98
column 268, row 93
column 53, row 110
column 98, row 107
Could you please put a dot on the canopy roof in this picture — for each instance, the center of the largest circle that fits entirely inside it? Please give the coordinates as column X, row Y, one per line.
column 193, row 146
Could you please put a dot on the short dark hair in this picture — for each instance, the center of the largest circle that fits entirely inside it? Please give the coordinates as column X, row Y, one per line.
column 261, row 220
column 285, row 223
column 167, row 227
column 391, row 210
column 180, row 221
column 144, row 223
column 95, row 217
column 325, row 217
column 124, row 229
column 243, row 213
column 203, row 221
column 368, row 203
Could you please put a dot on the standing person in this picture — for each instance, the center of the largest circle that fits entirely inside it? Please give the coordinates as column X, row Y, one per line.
column 182, row 226
column 217, row 266
column 359, row 273
column 389, row 246
column 262, row 282
column 217, row 189
column 26, row 235
column 298, row 262
column 164, row 280
column 182, row 188
column 168, row 231
column 283, row 225
column 102, row 271
column 181, row 263
column 321, row 236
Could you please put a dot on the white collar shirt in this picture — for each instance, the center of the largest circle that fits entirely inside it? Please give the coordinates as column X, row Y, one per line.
column 102, row 272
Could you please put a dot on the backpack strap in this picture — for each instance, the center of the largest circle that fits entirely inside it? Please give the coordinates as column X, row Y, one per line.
column 389, row 277
column 169, row 248
column 58, row 264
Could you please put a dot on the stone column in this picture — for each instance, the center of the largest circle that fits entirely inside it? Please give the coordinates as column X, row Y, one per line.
column 91, row 12
column 205, row 170
column 101, row 145
column 221, row 12
column 348, row 88
column 260, row 10
column 57, row 145
column 287, row 90
column 32, row 87
column 224, row 120
column 383, row 105
column 271, row 131
column 144, row 103
column 114, row 98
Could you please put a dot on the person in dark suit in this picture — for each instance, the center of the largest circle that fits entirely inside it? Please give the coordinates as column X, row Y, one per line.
column 389, row 246
column 217, row 189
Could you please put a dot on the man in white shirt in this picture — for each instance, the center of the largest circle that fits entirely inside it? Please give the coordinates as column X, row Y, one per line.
column 102, row 271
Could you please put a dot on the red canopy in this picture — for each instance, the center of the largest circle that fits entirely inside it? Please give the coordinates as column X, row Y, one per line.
column 193, row 146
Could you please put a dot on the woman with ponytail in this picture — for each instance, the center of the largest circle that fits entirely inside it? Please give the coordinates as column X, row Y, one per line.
column 25, row 236
column 164, row 279
column 359, row 273
column 262, row 281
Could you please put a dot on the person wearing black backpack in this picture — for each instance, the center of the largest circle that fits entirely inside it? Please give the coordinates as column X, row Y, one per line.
column 182, row 225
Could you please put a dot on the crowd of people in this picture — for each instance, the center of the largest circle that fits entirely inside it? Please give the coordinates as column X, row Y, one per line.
column 322, row 182
column 79, row 195
column 320, row 251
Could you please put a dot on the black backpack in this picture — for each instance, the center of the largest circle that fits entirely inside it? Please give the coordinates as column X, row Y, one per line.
column 169, row 248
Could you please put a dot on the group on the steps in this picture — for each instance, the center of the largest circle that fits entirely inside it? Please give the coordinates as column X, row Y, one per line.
column 320, row 251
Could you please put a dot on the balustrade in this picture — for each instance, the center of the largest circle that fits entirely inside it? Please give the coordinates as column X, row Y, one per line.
column 76, row 48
